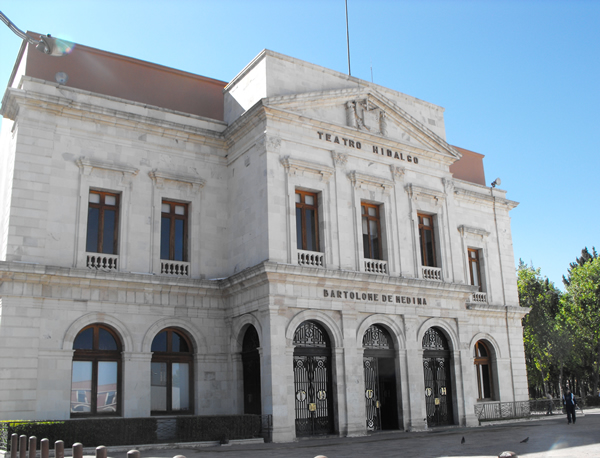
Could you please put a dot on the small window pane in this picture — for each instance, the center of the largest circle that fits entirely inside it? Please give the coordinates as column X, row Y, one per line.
column 106, row 341
column 107, row 386
column 362, row 210
column 372, row 211
column 92, row 230
column 179, row 240
column 175, row 340
column 425, row 221
column 311, row 236
column 309, row 200
column 472, row 254
column 81, row 386
column 165, row 237
column 166, row 208
column 110, row 200
column 299, row 228
column 108, row 244
column 94, row 198
column 84, row 340
column 160, row 342
column 179, row 210
column 298, row 198
column 181, row 387
column 158, row 388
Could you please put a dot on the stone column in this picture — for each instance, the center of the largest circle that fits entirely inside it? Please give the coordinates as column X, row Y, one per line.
column 135, row 393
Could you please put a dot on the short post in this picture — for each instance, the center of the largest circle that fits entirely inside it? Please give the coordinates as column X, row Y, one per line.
column 133, row 454
column 32, row 446
column 101, row 452
column 59, row 449
column 179, row 456
column 45, row 448
column 14, row 445
column 22, row 446
column 77, row 450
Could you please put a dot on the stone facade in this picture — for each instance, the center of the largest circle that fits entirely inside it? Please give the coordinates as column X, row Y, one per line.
column 284, row 127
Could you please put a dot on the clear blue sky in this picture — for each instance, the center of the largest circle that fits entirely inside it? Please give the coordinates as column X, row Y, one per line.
column 520, row 80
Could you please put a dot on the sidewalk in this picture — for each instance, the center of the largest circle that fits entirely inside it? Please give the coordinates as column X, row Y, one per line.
column 549, row 437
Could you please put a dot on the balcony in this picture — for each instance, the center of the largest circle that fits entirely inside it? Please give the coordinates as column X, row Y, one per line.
column 175, row 268
column 479, row 298
column 103, row 262
column 311, row 258
column 431, row 273
column 376, row 266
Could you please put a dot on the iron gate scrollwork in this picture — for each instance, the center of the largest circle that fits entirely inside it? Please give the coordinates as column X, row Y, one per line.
column 436, row 371
column 312, row 381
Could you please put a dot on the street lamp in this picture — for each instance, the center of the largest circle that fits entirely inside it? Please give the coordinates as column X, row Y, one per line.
column 46, row 44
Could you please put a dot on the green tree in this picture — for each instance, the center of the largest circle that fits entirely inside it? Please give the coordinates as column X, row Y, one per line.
column 585, row 257
column 581, row 308
column 543, row 338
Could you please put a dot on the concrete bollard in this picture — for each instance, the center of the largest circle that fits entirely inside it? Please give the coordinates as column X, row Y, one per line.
column 32, row 447
column 101, row 452
column 133, row 454
column 22, row 446
column 77, row 450
column 14, row 445
column 59, row 449
column 45, row 448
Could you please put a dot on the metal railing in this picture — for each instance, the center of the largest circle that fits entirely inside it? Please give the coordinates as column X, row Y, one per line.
column 489, row 411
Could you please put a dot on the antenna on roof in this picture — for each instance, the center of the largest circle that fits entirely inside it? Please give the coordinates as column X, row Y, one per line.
column 348, row 39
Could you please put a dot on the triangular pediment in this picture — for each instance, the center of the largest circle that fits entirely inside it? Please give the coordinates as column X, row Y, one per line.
column 367, row 111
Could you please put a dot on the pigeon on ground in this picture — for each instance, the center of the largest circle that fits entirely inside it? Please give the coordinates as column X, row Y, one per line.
column 524, row 440
column 462, row 441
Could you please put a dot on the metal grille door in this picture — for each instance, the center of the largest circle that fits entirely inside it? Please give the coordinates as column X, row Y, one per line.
column 372, row 400
column 312, row 386
column 436, row 372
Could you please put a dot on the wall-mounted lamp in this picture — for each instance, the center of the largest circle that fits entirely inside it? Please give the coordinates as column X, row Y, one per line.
column 497, row 181
column 46, row 44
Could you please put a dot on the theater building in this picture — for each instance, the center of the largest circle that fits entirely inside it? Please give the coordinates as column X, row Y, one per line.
column 296, row 242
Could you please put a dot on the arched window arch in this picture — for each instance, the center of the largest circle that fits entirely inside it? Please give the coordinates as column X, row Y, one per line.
column 96, row 375
column 483, row 367
column 172, row 373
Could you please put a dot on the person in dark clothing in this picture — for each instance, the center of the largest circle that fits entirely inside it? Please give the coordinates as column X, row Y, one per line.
column 569, row 403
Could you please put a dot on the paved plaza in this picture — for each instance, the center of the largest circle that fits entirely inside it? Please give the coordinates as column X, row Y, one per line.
column 549, row 437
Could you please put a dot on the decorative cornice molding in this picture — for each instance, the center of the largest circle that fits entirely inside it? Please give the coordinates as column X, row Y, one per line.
column 414, row 192
column 293, row 166
column 160, row 178
column 472, row 230
column 479, row 197
column 358, row 179
column 87, row 165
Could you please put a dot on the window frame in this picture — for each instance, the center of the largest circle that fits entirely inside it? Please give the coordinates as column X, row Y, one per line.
column 364, row 213
column 172, row 238
column 476, row 261
column 96, row 356
column 303, row 206
column 169, row 357
column 479, row 362
column 422, row 243
column 102, row 207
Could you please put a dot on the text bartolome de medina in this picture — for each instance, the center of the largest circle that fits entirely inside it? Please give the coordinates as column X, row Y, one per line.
column 373, row 297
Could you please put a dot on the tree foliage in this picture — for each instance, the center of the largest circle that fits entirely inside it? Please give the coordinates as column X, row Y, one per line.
column 585, row 257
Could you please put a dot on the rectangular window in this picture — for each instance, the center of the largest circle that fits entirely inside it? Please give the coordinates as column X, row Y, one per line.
column 427, row 240
column 371, row 230
column 474, row 267
column 173, row 231
column 307, row 221
column 103, row 222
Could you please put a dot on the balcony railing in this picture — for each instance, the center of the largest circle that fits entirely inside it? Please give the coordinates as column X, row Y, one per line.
column 175, row 268
column 431, row 273
column 478, row 297
column 376, row 266
column 104, row 262
column 311, row 258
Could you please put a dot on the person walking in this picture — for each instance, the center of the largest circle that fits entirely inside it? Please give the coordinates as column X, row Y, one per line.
column 569, row 403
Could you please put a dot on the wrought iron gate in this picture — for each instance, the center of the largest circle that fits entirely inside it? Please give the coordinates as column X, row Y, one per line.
column 312, row 381
column 381, row 407
column 436, row 371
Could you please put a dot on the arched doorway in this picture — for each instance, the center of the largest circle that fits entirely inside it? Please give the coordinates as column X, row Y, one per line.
column 251, row 368
column 380, row 379
column 312, row 380
column 436, row 370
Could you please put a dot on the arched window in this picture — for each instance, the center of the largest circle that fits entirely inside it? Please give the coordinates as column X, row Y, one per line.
column 96, row 375
column 483, row 366
column 172, row 373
